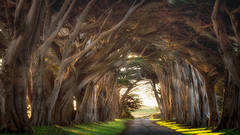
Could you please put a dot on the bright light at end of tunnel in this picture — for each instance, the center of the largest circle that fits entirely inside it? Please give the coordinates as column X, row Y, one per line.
column 147, row 100
column 145, row 93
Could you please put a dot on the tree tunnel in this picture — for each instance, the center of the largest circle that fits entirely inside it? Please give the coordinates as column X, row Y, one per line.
column 61, row 61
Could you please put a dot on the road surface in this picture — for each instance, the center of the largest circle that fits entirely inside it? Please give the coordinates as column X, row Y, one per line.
column 146, row 127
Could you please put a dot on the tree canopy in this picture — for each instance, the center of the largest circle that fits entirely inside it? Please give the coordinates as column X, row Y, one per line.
column 55, row 52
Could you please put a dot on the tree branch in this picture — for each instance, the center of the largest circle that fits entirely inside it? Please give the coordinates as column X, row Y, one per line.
column 43, row 48
column 102, row 35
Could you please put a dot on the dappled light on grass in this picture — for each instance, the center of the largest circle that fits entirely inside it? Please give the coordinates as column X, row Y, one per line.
column 42, row 130
column 108, row 128
column 101, row 128
column 194, row 131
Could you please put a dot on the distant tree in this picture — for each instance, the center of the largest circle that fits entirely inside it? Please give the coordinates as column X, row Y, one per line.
column 130, row 104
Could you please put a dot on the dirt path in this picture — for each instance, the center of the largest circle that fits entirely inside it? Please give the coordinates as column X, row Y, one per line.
column 146, row 127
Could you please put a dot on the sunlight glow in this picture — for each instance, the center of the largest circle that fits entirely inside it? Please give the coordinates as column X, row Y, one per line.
column 188, row 131
column 1, row 65
column 131, row 55
column 74, row 103
column 144, row 91
column 122, row 69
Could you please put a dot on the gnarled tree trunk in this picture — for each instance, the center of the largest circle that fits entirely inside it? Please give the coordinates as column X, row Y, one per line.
column 108, row 99
column 213, row 107
column 231, row 105
column 183, row 91
column 2, row 107
column 42, row 86
column 86, row 110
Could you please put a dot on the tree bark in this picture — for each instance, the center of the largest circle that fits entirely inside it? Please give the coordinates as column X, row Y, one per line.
column 2, row 107
column 184, row 94
column 156, row 94
column 63, row 111
column 108, row 99
column 231, row 104
column 26, row 35
column 213, row 107
column 16, row 106
column 86, row 109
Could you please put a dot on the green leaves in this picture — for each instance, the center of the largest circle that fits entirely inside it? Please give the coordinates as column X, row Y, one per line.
column 125, row 82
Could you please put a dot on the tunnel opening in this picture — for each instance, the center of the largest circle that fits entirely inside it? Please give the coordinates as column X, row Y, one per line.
column 180, row 90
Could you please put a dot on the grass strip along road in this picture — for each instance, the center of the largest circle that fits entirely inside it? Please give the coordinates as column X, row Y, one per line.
column 100, row 128
column 194, row 131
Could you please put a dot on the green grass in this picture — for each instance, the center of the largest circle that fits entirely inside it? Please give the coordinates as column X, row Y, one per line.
column 146, row 111
column 103, row 128
column 195, row 131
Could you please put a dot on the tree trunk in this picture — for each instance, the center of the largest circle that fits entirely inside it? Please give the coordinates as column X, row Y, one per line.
column 42, row 86
column 26, row 35
column 231, row 103
column 51, row 100
column 230, row 117
column 108, row 99
column 213, row 107
column 38, row 98
column 177, row 85
column 184, row 94
column 13, row 100
column 86, row 107
column 164, row 91
column 2, row 107
column 63, row 113
column 158, row 99
column 16, row 105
